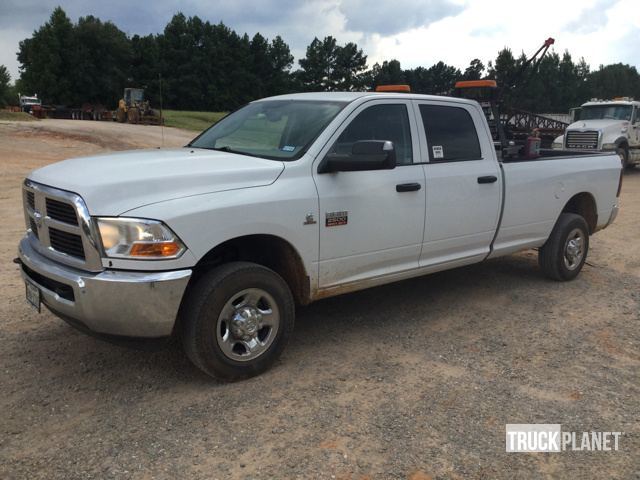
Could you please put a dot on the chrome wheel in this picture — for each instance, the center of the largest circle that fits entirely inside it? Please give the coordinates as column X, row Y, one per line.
column 574, row 249
column 247, row 324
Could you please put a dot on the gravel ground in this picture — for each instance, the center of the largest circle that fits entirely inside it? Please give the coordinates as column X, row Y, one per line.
column 414, row 380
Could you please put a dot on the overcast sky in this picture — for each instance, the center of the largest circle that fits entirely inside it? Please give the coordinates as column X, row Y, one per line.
column 416, row 32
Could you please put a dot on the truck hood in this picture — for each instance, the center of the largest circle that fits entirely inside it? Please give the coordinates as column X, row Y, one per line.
column 113, row 183
column 603, row 125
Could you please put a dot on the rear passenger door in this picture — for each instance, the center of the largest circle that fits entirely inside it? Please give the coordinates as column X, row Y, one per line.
column 463, row 183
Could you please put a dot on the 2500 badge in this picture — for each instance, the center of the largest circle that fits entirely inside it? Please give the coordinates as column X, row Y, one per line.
column 334, row 219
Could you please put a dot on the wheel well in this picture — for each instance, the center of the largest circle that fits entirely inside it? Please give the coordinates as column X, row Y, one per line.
column 266, row 250
column 584, row 205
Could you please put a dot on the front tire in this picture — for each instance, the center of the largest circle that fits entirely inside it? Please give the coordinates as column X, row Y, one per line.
column 565, row 251
column 236, row 320
column 623, row 153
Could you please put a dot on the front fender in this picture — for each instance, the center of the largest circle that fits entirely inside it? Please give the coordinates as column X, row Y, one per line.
column 206, row 221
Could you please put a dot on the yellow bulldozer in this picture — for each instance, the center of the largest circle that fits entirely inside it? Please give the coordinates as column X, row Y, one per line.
column 133, row 108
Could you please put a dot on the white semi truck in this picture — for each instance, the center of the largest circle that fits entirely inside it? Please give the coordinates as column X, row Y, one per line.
column 606, row 126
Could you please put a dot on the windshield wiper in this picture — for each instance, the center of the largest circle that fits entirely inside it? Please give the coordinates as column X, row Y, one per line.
column 226, row 148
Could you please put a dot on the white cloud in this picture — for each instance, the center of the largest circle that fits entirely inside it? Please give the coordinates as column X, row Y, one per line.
column 389, row 18
column 9, row 39
column 416, row 32
column 485, row 27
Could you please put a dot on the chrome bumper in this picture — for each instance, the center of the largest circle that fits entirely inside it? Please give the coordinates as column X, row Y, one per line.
column 124, row 303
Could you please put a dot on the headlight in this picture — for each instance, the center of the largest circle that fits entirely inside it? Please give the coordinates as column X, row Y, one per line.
column 136, row 238
column 556, row 145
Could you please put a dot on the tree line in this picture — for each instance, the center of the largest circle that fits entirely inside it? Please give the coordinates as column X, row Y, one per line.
column 198, row 65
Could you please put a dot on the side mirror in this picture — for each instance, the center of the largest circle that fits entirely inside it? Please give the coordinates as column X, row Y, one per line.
column 365, row 155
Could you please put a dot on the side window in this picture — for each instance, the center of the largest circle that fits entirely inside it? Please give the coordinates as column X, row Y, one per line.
column 379, row 122
column 451, row 134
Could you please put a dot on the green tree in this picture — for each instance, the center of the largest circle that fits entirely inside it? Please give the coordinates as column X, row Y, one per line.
column 72, row 64
column 614, row 80
column 328, row 66
column 568, row 84
column 419, row 79
column 318, row 64
column 582, row 88
column 349, row 69
column 474, row 71
column 261, row 67
column 145, row 66
column 181, row 63
column 442, row 78
column 47, row 60
column 5, row 87
column 281, row 62
column 389, row 73
column 101, row 62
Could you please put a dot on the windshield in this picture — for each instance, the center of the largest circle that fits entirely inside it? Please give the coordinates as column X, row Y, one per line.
column 274, row 129
column 606, row 112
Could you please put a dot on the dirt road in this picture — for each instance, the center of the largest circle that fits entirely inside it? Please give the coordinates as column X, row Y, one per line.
column 411, row 381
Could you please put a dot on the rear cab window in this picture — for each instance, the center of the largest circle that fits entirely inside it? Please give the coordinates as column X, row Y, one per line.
column 450, row 132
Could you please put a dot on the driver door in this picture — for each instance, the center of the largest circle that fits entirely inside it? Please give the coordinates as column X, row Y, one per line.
column 371, row 222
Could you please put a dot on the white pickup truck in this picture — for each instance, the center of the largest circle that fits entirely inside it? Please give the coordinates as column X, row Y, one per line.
column 289, row 200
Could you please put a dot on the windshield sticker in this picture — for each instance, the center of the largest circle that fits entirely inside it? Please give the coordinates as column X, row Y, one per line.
column 288, row 148
column 438, row 151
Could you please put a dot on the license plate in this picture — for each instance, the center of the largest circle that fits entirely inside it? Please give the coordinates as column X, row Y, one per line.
column 33, row 295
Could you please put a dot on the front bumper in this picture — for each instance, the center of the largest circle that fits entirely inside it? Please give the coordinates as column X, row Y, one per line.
column 122, row 303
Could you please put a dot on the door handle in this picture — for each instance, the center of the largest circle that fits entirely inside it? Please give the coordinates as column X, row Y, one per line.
column 487, row 179
column 408, row 187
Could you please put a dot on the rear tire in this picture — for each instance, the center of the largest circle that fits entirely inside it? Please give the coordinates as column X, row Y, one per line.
column 565, row 251
column 236, row 320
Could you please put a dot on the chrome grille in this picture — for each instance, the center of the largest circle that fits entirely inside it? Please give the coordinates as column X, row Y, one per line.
column 66, row 242
column 63, row 212
column 33, row 227
column 60, row 227
column 31, row 199
column 587, row 140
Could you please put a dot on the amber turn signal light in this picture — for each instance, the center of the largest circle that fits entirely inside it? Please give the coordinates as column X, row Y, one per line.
column 155, row 249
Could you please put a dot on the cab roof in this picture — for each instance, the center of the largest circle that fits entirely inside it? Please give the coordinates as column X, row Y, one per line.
column 348, row 97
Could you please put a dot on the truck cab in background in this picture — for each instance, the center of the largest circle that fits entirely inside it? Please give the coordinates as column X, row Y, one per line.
column 605, row 125
column 27, row 103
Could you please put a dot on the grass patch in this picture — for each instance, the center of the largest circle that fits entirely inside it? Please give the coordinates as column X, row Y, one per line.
column 196, row 121
column 6, row 115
